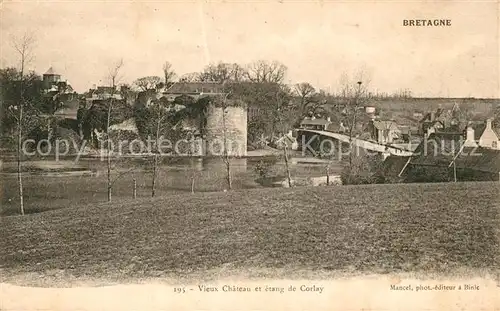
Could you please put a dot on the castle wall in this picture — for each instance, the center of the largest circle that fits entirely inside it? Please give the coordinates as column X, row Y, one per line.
column 236, row 131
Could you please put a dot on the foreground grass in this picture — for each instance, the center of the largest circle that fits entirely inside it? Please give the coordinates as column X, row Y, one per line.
column 414, row 228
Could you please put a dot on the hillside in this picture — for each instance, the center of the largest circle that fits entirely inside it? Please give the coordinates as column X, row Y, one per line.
column 402, row 109
column 422, row 104
column 425, row 229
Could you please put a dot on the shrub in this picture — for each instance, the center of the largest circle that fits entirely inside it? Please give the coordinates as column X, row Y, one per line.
column 362, row 171
column 429, row 174
column 263, row 169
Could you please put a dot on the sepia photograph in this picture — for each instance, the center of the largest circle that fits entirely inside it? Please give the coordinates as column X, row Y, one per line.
column 250, row 155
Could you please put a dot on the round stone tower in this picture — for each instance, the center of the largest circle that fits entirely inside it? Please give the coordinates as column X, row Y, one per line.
column 234, row 117
column 50, row 77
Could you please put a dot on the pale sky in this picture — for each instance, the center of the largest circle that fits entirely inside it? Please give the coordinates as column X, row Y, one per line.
column 317, row 41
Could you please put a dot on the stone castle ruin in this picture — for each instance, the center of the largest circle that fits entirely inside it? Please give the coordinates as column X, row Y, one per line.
column 223, row 121
column 229, row 121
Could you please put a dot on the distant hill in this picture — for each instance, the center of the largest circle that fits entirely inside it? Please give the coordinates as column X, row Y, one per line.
column 483, row 105
column 402, row 110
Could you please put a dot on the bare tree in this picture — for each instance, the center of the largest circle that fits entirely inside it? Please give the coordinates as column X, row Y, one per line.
column 160, row 113
column 192, row 140
column 280, row 106
column 222, row 72
column 147, row 83
column 168, row 74
column 191, row 77
column 306, row 93
column 304, row 90
column 353, row 94
column 263, row 71
column 24, row 47
column 114, row 78
column 329, row 156
column 225, row 157
column 237, row 73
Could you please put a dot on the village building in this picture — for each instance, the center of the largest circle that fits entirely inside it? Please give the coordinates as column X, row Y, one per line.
column 192, row 89
column 384, row 131
column 318, row 124
column 483, row 135
column 103, row 92
column 407, row 133
column 440, row 121
column 288, row 140
column 430, row 124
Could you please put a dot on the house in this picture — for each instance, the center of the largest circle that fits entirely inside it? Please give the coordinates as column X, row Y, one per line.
column 193, row 89
column 441, row 120
column 430, row 123
column 483, row 135
column 321, row 124
column 406, row 133
column 103, row 92
column 370, row 110
column 289, row 140
column 384, row 131
column 318, row 124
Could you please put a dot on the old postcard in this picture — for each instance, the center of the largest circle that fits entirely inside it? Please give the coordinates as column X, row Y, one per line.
column 250, row 155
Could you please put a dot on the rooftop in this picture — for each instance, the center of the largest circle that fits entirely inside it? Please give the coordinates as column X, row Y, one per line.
column 51, row 71
column 194, row 88
column 319, row 121
column 479, row 130
column 385, row 125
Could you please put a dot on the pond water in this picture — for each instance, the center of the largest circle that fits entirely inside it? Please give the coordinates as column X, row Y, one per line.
column 174, row 175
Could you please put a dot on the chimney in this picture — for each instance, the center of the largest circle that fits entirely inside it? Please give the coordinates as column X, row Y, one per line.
column 469, row 139
column 470, row 133
column 328, row 119
column 433, row 116
column 488, row 123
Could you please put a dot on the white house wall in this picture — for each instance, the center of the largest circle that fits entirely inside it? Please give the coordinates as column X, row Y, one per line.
column 487, row 138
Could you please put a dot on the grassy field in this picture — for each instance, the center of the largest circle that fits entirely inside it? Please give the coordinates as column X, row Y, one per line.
column 407, row 228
